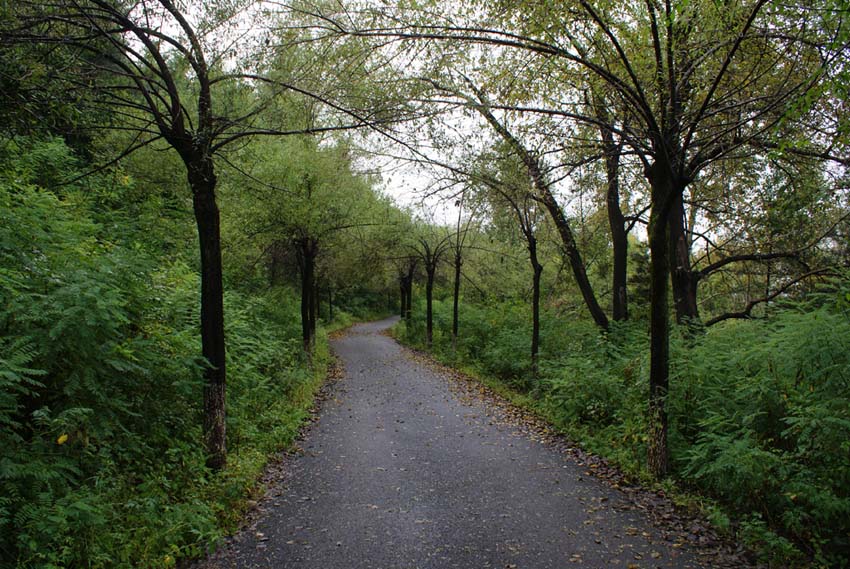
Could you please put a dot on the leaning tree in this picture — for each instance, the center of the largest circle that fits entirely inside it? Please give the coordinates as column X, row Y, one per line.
column 157, row 71
column 693, row 83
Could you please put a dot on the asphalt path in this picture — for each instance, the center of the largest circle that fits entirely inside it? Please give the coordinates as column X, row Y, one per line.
column 403, row 472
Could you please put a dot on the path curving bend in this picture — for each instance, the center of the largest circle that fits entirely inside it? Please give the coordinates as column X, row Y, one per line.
column 403, row 472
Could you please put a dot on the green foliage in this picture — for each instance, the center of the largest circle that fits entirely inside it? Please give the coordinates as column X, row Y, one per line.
column 100, row 379
column 361, row 304
column 318, row 196
column 763, row 410
column 496, row 337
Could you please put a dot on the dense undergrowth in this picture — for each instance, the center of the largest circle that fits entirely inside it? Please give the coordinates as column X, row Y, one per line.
column 759, row 410
column 101, row 381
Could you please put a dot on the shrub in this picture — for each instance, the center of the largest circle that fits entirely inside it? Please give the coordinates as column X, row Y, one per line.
column 101, row 388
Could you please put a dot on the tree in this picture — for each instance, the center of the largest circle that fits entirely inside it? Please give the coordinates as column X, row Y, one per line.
column 462, row 233
column 765, row 218
column 406, row 272
column 542, row 191
column 612, row 150
column 157, row 77
column 316, row 203
column 511, row 190
column 697, row 82
column 430, row 246
column 140, row 81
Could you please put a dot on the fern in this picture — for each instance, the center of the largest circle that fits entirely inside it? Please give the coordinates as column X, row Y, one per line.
column 17, row 380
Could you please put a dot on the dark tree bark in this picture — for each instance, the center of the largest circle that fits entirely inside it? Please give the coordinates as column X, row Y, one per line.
column 407, row 286
column 664, row 192
column 617, row 224
column 315, row 305
column 537, row 269
column 430, row 252
column 306, row 250
column 408, row 309
column 682, row 278
column 460, row 238
column 458, row 261
column 202, row 181
column 430, row 273
column 659, row 326
column 306, row 339
column 275, row 264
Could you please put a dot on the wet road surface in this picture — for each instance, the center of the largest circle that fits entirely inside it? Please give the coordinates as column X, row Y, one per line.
column 401, row 472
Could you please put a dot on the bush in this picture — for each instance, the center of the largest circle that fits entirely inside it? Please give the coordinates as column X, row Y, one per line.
column 101, row 388
column 766, row 411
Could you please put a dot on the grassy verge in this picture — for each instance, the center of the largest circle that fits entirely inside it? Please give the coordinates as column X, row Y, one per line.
column 231, row 492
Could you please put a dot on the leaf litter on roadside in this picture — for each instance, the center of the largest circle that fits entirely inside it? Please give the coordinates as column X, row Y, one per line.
column 676, row 525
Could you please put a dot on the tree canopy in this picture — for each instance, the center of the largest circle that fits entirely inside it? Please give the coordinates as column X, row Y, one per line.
column 620, row 206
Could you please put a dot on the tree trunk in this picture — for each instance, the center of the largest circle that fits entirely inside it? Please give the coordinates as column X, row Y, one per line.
column 330, row 304
column 683, row 279
column 305, row 308
column 402, row 288
column 535, row 314
column 573, row 256
column 274, row 266
column 619, row 237
column 429, row 306
column 456, row 300
column 659, row 326
column 306, row 261
column 314, row 312
column 407, row 311
column 202, row 181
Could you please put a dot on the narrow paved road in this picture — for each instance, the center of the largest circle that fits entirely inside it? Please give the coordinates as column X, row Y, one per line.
column 401, row 472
